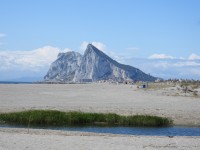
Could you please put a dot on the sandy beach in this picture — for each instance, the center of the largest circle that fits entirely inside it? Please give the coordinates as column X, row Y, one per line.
column 19, row 139
column 121, row 99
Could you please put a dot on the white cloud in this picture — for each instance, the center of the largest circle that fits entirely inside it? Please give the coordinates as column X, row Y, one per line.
column 163, row 65
column 67, row 50
column 83, row 46
column 168, row 68
column 161, row 56
column 186, row 64
column 98, row 45
column 2, row 35
column 38, row 60
column 194, row 57
column 29, row 60
column 117, row 57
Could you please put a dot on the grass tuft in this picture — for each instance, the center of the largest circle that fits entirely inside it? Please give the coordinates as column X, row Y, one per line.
column 59, row 118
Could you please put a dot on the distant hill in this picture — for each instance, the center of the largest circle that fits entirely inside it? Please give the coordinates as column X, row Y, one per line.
column 93, row 66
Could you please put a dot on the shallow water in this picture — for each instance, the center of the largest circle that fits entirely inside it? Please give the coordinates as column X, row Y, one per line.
column 164, row 131
column 168, row 131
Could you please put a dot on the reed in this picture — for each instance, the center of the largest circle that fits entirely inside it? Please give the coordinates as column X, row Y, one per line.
column 59, row 118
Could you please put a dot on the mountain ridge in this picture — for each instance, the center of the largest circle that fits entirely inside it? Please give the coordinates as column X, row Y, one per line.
column 93, row 66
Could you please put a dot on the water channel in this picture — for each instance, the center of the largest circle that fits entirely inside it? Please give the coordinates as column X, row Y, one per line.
column 163, row 131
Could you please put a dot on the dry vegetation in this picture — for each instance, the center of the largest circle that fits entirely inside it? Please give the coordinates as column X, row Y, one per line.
column 189, row 88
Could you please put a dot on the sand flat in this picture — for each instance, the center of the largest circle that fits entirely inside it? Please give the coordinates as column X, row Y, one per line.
column 121, row 99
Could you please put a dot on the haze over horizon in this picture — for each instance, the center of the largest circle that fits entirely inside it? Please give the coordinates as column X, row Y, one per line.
column 158, row 37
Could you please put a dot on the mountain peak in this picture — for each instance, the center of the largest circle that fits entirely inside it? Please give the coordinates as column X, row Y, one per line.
column 94, row 65
column 91, row 48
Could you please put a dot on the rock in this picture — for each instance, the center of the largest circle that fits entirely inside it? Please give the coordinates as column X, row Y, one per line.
column 64, row 68
column 93, row 66
column 189, row 88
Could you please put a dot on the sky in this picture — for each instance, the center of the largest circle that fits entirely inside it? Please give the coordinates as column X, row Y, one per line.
column 160, row 37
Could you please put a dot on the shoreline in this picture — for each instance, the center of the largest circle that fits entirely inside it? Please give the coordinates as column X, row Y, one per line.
column 38, row 131
column 20, row 139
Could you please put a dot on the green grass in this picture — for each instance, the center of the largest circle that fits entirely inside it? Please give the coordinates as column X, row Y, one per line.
column 59, row 118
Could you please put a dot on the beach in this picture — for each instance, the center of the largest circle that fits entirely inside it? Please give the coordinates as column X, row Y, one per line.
column 19, row 139
column 121, row 99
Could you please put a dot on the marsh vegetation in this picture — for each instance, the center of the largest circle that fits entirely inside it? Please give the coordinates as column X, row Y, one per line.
column 59, row 118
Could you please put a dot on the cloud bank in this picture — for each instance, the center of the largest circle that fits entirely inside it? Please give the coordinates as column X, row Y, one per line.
column 165, row 66
column 161, row 56
column 17, row 64
column 194, row 57
column 28, row 60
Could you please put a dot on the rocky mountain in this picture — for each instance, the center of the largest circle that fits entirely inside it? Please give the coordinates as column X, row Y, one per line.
column 94, row 65
column 65, row 67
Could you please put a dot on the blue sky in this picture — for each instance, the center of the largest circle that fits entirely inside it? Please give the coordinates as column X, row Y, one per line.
column 141, row 33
